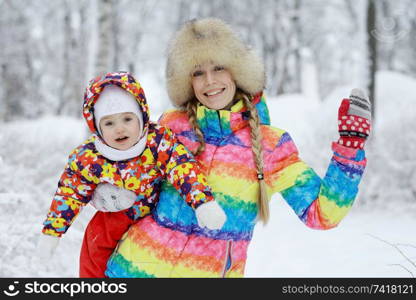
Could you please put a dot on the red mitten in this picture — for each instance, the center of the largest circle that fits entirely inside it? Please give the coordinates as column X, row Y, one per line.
column 354, row 120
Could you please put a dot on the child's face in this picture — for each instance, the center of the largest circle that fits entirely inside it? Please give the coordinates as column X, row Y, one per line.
column 120, row 131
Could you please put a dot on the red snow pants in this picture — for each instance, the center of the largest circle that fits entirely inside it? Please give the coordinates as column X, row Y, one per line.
column 100, row 239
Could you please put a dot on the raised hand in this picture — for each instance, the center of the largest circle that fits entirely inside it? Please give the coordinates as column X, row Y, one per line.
column 354, row 120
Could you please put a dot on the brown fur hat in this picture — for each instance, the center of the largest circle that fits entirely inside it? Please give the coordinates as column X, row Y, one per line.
column 204, row 40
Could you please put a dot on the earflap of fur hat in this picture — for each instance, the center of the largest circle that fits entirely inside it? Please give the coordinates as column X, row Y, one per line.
column 210, row 40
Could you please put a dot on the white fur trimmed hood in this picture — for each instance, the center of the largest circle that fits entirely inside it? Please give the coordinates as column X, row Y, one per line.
column 199, row 41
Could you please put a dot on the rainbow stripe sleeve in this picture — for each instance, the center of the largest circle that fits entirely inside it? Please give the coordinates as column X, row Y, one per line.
column 319, row 203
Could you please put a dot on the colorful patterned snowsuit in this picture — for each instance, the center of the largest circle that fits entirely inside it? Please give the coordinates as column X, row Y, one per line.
column 164, row 158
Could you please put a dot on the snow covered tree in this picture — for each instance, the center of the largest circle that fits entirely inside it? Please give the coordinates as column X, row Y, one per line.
column 53, row 48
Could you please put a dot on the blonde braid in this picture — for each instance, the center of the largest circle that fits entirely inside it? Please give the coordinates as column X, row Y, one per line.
column 191, row 107
column 254, row 122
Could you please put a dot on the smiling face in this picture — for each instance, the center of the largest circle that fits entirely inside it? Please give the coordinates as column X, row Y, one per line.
column 120, row 131
column 213, row 85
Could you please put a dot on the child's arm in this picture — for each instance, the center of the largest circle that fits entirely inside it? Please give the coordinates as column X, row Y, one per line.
column 183, row 171
column 185, row 174
column 74, row 191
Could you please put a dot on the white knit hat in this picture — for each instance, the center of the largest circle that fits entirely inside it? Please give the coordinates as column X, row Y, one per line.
column 113, row 100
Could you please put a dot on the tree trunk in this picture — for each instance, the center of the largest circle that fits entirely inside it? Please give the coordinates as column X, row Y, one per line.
column 63, row 91
column 372, row 53
column 102, row 63
column 297, row 36
column 116, row 44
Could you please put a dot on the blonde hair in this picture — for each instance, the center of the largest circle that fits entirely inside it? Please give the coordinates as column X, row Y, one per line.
column 191, row 108
column 256, row 147
column 256, row 137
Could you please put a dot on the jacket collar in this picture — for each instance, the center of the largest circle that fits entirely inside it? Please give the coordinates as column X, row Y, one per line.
column 219, row 124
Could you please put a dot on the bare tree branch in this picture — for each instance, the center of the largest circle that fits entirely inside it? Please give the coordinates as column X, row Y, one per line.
column 399, row 265
column 395, row 247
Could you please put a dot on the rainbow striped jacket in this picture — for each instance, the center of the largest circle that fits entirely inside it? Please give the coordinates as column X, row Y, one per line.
column 170, row 243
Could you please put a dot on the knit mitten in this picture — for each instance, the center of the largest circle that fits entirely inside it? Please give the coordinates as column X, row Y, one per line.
column 110, row 198
column 210, row 215
column 354, row 120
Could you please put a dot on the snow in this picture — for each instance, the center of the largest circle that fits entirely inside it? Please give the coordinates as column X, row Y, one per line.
column 33, row 154
column 356, row 248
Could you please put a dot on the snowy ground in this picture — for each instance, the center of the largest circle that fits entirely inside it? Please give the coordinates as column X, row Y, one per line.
column 33, row 154
column 356, row 248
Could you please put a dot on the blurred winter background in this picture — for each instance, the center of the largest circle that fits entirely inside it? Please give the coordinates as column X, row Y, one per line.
column 315, row 51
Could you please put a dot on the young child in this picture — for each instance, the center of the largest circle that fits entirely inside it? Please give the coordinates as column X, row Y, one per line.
column 128, row 151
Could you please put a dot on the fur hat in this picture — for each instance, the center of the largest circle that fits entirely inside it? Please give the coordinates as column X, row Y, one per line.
column 204, row 40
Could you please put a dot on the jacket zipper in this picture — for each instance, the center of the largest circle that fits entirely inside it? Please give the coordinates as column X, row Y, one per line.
column 228, row 260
